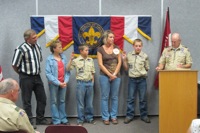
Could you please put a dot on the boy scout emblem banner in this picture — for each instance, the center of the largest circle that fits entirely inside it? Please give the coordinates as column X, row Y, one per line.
column 89, row 30
column 77, row 30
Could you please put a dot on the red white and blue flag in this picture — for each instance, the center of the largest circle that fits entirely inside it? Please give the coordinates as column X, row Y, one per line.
column 78, row 30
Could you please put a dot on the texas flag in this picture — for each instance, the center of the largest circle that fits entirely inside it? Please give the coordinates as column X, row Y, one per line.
column 79, row 30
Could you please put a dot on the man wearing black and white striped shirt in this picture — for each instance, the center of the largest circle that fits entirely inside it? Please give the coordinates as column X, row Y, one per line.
column 26, row 62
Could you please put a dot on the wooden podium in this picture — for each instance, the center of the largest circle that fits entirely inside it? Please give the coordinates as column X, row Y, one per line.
column 177, row 100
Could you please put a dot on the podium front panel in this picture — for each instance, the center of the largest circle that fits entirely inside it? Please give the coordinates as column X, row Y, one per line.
column 177, row 100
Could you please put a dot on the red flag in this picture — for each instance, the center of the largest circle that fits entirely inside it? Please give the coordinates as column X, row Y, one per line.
column 117, row 26
column 65, row 31
column 1, row 75
column 166, row 41
column 167, row 33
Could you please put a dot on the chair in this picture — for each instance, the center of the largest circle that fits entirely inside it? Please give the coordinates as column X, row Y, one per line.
column 65, row 129
column 12, row 131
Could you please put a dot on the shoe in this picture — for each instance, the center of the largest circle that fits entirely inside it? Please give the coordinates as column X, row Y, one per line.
column 127, row 120
column 80, row 123
column 114, row 121
column 106, row 122
column 43, row 122
column 92, row 122
column 146, row 119
column 66, row 123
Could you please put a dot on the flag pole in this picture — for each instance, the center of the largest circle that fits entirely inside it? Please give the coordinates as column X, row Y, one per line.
column 99, row 7
column 36, row 5
column 162, row 19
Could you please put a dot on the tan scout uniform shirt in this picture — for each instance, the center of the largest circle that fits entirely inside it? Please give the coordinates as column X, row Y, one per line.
column 84, row 68
column 138, row 64
column 171, row 57
column 12, row 118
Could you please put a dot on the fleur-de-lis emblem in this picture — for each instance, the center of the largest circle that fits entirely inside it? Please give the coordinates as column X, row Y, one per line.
column 91, row 34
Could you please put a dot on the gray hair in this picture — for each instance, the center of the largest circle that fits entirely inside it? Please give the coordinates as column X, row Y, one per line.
column 7, row 85
column 176, row 35
column 28, row 33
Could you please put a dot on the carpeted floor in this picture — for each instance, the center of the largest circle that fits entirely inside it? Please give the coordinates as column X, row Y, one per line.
column 136, row 126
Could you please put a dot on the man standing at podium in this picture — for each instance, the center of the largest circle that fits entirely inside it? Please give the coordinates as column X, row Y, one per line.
column 176, row 56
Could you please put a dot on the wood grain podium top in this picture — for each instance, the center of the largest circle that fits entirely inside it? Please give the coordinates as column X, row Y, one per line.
column 178, row 70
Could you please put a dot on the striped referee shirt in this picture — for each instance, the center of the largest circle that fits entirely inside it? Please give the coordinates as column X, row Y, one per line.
column 27, row 58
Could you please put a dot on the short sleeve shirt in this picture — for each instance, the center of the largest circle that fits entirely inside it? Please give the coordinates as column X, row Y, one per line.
column 138, row 64
column 110, row 61
column 27, row 58
column 84, row 68
column 13, row 118
column 171, row 57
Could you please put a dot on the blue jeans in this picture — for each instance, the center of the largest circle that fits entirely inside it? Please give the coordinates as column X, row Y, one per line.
column 57, row 100
column 137, row 85
column 109, row 88
column 84, row 97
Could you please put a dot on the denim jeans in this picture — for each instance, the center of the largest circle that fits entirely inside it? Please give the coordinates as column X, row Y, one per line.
column 137, row 85
column 29, row 84
column 57, row 99
column 109, row 88
column 84, row 97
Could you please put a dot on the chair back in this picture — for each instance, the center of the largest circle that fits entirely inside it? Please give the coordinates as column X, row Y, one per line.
column 12, row 131
column 65, row 129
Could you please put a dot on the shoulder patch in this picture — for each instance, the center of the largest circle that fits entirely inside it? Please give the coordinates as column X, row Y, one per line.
column 182, row 49
column 186, row 48
column 22, row 113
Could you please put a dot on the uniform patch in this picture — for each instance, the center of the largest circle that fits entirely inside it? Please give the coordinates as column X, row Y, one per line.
column 22, row 113
column 182, row 50
column 80, row 70
column 130, row 66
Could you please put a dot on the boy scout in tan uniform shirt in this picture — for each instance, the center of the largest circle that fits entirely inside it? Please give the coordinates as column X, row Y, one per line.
column 84, row 90
column 175, row 57
column 12, row 118
column 84, row 68
column 171, row 57
column 138, row 64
